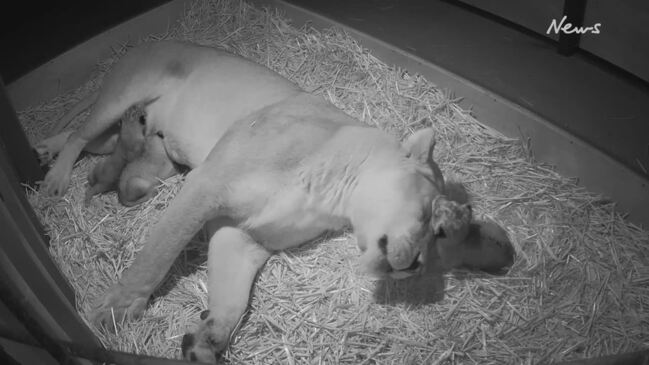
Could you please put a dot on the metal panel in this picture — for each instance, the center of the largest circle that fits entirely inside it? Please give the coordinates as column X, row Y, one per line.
column 14, row 141
column 26, row 354
column 24, row 218
column 73, row 68
column 624, row 36
column 24, row 279
column 535, row 15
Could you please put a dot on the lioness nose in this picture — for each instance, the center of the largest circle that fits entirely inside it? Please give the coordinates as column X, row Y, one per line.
column 402, row 258
column 187, row 342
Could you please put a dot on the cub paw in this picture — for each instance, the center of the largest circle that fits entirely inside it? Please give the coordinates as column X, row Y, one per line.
column 207, row 343
column 103, row 177
column 117, row 305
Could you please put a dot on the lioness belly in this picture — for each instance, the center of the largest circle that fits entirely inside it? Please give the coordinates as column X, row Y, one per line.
column 216, row 92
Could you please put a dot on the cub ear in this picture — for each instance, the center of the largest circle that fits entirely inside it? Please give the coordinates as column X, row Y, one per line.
column 420, row 145
column 150, row 101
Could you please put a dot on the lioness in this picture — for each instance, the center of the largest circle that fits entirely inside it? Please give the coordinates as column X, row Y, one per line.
column 272, row 167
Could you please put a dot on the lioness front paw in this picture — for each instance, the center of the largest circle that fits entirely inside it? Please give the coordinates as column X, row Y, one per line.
column 45, row 151
column 56, row 182
column 116, row 305
column 48, row 148
column 208, row 342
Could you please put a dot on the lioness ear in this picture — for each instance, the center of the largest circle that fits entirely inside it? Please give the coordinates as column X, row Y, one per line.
column 421, row 144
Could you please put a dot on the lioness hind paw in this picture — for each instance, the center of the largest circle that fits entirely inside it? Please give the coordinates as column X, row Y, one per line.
column 196, row 353
column 113, row 310
column 207, row 343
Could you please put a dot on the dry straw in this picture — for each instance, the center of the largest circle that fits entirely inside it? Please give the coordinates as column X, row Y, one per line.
column 579, row 287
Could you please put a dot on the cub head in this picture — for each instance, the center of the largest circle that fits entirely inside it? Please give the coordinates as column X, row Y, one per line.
column 134, row 129
column 393, row 207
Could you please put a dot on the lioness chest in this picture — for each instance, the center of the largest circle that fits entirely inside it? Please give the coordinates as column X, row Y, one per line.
column 274, row 170
column 289, row 219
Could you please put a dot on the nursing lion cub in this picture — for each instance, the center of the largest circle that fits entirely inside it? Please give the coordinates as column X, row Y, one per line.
column 137, row 164
column 272, row 167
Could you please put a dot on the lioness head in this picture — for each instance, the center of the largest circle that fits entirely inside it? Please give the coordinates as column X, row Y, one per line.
column 393, row 208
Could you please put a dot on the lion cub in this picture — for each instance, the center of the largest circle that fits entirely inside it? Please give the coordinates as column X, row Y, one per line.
column 130, row 144
column 137, row 164
column 142, row 176
column 465, row 242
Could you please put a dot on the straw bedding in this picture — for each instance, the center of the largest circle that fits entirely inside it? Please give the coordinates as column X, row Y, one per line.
column 579, row 287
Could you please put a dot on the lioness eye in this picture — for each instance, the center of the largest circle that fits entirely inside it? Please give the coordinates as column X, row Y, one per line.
column 383, row 244
column 142, row 120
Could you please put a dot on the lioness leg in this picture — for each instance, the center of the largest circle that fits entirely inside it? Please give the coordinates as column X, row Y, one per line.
column 233, row 261
column 48, row 148
column 196, row 203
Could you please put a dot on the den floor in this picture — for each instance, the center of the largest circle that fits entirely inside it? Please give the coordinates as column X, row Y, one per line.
column 580, row 94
